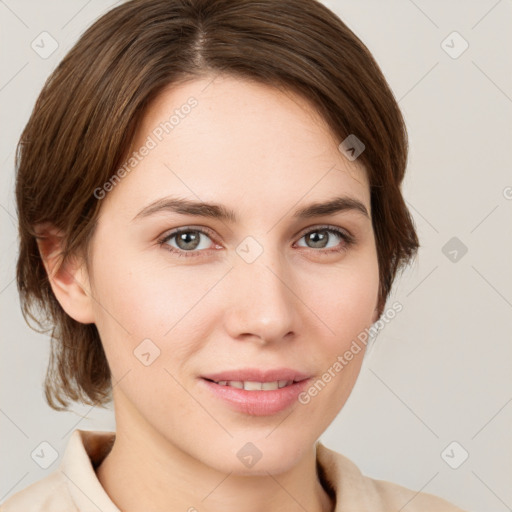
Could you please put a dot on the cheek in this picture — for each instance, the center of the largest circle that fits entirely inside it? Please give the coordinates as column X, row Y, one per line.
column 347, row 307
column 347, row 300
column 137, row 301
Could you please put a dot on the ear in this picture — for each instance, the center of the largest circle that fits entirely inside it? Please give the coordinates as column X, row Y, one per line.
column 69, row 280
column 377, row 312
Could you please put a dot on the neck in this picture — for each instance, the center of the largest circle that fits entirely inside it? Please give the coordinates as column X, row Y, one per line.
column 154, row 474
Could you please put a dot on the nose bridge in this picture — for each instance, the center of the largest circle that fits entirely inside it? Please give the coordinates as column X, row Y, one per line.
column 262, row 303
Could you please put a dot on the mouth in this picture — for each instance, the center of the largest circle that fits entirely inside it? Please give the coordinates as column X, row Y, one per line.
column 251, row 385
column 256, row 392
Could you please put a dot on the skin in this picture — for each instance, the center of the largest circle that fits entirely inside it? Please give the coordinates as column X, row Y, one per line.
column 263, row 153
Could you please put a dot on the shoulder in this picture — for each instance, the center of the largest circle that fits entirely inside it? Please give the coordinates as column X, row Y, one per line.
column 352, row 488
column 387, row 494
column 73, row 486
column 49, row 494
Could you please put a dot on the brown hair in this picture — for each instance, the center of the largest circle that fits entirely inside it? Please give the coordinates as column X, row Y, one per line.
column 85, row 117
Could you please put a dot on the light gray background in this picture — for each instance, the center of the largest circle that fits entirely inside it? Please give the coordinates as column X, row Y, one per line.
column 440, row 371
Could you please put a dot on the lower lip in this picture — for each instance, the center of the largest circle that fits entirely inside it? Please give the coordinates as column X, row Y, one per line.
column 258, row 403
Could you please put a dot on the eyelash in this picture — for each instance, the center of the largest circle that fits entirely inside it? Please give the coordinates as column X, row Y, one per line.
column 348, row 240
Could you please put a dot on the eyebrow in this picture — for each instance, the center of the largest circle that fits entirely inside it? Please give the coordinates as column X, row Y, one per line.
column 221, row 212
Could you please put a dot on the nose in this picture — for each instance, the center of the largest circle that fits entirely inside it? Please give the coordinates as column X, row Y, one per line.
column 262, row 304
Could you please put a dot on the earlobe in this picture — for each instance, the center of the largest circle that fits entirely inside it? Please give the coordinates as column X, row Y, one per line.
column 376, row 315
column 69, row 279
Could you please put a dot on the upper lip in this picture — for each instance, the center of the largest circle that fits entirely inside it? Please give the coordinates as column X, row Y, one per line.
column 257, row 375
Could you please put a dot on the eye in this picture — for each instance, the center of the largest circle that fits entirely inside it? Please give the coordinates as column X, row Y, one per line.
column 185, row 241
column 190, row 241
column 327, row 237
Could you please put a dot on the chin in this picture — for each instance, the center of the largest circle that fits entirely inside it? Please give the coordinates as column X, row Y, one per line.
column 255, row 455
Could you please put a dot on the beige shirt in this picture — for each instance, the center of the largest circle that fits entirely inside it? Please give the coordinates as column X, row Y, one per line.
column 74, row 486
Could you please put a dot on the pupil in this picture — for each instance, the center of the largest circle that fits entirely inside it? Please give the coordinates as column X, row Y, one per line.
column 318, row 240
column 188, row 240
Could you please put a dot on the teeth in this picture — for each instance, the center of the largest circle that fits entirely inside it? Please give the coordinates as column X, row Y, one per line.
column 250, row 385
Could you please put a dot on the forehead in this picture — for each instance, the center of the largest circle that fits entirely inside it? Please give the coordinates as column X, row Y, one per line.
column 237, row 142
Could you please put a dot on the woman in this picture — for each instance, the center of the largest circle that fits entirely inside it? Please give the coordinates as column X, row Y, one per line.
column 210, row 214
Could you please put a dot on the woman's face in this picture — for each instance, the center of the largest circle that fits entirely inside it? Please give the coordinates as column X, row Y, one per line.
column 262, row 295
